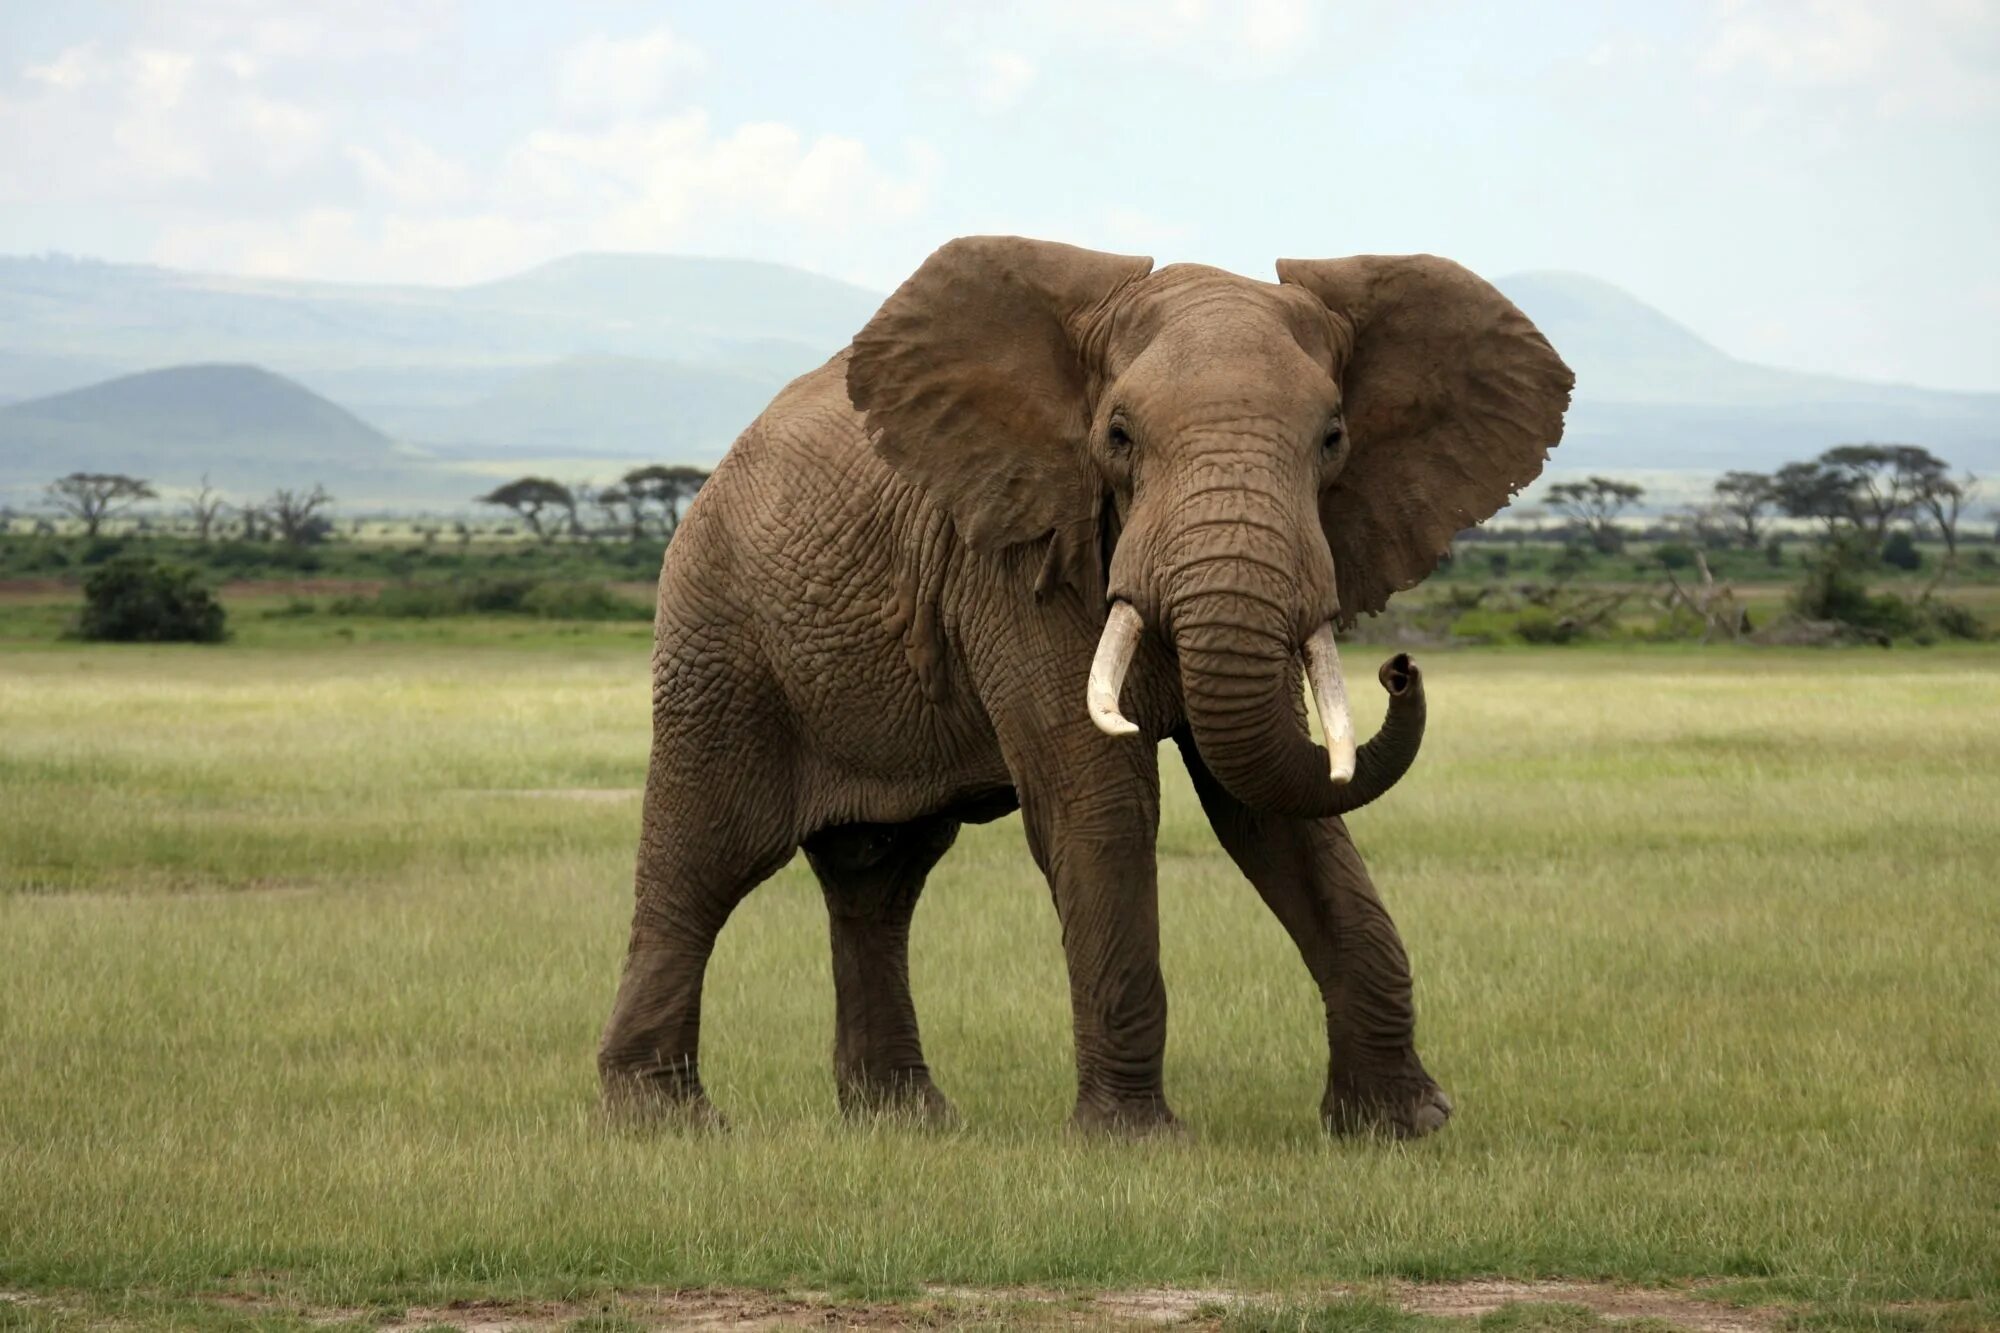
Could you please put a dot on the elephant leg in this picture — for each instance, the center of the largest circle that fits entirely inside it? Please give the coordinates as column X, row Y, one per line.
column 695, row 865
column 1092, row 814
column 872, row 875
column 1312, row 878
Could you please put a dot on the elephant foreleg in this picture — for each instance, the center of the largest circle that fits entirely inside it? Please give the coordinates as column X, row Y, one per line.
column 872, row 875
column 1092, row 828
column 1312, row 878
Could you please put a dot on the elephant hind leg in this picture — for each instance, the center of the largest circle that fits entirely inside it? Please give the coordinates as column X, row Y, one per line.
column 701, row 852
column 872, row 875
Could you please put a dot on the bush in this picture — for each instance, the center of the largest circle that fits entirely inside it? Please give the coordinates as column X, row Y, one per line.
column 550, row 599
column 139, row 600
column 1540, row 625
column 1533, row 624
column 1955, row 621
column 581, row 601
column 1774, row 553
column 1674, row 555
column 99, row 550
column 1902, row 552
column 1834, row 590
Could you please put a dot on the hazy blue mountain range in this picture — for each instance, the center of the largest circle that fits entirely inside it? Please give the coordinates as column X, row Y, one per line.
column 587, row 362
column 249, row 429
column 1652, row 395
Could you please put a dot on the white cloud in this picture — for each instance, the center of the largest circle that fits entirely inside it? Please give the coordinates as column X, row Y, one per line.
column 1232, row 38
column 605, row 77
column 673, row 181
column 669, row 183
column 409, row 173
column 1937, row 56
column 1003, row 77
column 343, row 244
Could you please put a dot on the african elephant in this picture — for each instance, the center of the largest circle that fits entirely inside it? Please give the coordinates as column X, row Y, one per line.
column 1048, row 508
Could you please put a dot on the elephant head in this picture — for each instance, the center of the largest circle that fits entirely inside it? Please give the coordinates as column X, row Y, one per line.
column 1235, row 465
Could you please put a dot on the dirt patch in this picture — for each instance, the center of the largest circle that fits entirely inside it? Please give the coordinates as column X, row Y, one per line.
column 948, row 1307
column 1480, row 1296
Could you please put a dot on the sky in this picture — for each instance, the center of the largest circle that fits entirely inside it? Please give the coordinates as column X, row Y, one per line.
column 1808, row 183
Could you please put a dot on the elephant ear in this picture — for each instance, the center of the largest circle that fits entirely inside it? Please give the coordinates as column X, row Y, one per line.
column 976, row 387
column 1452, row 400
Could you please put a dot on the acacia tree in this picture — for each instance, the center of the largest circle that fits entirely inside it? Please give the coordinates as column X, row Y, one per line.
column 1883, row 480
column 1813, row 490
column 92, row 497
column 667, row 486
column 1747, row 497
column 1942, row 500
column 531, row 498
column 296, row 516
column 1864, row 487
column 1594, row 505
column 620, row 513
column 205, row 508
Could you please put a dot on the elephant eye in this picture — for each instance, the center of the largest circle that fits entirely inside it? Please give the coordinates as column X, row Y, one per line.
column 1336, row 436
column 1117, row 436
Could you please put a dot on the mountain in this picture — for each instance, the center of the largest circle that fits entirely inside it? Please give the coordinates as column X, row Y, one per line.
column 731, row 313
column 598, row 359
column 733, row 301
column 249, row 429
column 1653, row 395
column 605, row 406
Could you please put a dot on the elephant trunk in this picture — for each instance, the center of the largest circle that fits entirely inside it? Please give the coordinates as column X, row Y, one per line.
column 1240, row 685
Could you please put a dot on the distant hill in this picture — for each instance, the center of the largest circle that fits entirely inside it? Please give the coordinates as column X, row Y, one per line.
column 248, row 428
column 1653, row 395
column 603, row 357
column 599, row 406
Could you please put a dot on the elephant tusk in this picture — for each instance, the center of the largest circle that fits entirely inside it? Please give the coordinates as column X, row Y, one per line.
column 1329, row 694
column 1107, row 669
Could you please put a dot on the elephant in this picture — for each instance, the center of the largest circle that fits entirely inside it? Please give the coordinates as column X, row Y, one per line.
column 1049, row 508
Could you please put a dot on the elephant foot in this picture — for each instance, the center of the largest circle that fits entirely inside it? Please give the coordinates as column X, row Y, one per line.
column 1126, row 1118
column 643, row 1102
column 907, row 1097
column 1402, row 1106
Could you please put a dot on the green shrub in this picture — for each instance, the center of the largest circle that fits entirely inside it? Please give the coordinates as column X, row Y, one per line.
column 581, row 601
column 1901, row 551
column 549, row 599
column 1533, row 624
column 1538, row 624
column 99, row 550
column 1835, row 590
column 1674, row 555
column 1955, row 621
column 137, row 599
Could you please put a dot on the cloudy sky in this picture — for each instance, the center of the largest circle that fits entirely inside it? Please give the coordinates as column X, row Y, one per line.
column 1811, row 183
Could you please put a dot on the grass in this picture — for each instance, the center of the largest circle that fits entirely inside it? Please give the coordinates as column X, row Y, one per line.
column 305, row 941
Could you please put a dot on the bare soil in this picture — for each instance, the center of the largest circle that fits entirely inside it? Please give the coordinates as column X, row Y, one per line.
column 951, row 1307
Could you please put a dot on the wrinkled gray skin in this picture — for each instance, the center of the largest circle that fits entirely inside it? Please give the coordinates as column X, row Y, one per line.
column 876, row 622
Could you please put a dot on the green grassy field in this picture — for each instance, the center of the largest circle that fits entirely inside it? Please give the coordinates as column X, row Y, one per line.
column 305, row 941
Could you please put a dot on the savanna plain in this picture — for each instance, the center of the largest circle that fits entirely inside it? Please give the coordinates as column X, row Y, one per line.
column 305, row 941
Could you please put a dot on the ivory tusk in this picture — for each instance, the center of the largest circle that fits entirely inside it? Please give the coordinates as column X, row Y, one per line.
column 1107, row 669
column 1329, row 694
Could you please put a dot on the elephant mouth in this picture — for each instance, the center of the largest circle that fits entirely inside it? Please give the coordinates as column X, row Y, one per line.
column 1116, row 647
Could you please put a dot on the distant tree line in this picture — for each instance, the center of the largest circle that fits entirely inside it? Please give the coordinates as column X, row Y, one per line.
column 294, row 517
column 646, row 502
